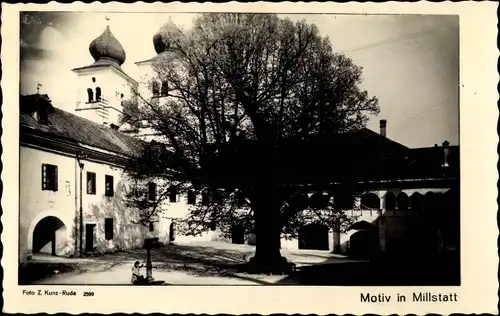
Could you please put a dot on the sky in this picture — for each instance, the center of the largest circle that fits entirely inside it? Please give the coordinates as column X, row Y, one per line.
column 410, row 62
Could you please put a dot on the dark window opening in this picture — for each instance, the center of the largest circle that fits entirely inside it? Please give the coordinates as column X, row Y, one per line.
column 152, row 191
column 205, row 199
column 390, row 201
column 191, row 197
column 90, row 94
column 164, row 88
column 213, row 225
column 109, row 190
column 49, row 177
column 43, row 115
column 172, row 194
column 403, row 201
column 151, row 226
column 416, row 201
column 91, row 183
column 155, row 88
column 98, row 94
column 108, row 228
column 93, row 79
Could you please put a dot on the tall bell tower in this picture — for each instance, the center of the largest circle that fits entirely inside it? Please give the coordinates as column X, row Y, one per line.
column 103, row 85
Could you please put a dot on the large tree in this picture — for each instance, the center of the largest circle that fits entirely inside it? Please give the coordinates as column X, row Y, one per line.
column 238, row 87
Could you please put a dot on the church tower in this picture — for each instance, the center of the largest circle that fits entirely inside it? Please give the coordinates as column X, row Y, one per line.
column 103, row 86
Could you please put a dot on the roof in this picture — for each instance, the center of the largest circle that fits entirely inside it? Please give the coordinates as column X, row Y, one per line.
column 73, row 128
column 164, row 56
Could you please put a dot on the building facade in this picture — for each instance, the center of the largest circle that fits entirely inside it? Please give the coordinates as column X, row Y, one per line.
column 74, row 191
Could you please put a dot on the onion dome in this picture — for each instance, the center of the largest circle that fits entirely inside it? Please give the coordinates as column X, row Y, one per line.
column 107, row 48
column 159, row 43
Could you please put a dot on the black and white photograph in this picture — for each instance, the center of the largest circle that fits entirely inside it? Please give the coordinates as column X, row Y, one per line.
column 163, row 149
column 239, row 149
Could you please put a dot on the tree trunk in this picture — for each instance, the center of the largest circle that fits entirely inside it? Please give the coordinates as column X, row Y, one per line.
column 267, row 256
column 336, row 242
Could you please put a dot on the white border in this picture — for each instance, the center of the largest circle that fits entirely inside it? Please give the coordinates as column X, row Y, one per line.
column 478, row 141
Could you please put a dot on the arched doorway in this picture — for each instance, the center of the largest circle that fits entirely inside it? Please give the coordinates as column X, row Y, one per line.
column 364, row 242
column 313, row 236
column 50, row 236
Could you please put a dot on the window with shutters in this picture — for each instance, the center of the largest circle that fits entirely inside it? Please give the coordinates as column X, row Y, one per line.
column 152, row 191
column 191, row 197
column 91, row 185
column 108, row 228
column 49, row 177
column 108, row 182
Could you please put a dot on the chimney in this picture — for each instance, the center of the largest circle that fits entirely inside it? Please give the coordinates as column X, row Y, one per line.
column 383, row 128
column 446, row 150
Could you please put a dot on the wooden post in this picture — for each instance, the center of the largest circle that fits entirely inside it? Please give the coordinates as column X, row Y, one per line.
column 149, row 266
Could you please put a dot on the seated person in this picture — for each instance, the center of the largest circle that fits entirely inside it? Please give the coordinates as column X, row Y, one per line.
column 137, row 277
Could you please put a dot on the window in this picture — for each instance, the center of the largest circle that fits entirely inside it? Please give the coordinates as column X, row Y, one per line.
column 205, row 199
column 49, row 177
column 172, row 194
column 191, row 197
column 90, row 94
column 91, row 186
column 98, row 94
column 152, row 191
column 151, row 226
column 164, row 88
column 43, row 115
column 108, row 182
column 155, row 88
column 108, row 228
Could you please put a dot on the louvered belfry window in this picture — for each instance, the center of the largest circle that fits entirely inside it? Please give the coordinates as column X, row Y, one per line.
column 49, row 177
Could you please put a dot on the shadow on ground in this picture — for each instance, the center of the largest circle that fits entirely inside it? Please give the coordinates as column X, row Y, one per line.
column 30, row 272
column 389, row 272
column 192, row 259
column 206, row 261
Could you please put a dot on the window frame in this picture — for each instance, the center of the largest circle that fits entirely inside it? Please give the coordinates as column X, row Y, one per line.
column 112, row 181
column 109, row 228
column 152, row 188
column 191, row 197
column 50, row 184
column 90, row 173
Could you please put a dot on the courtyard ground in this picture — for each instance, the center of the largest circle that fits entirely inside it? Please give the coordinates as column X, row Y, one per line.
column 186, row 263
column 219, row 263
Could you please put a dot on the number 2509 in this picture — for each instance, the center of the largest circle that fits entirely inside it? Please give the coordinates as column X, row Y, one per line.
column 88, row 293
